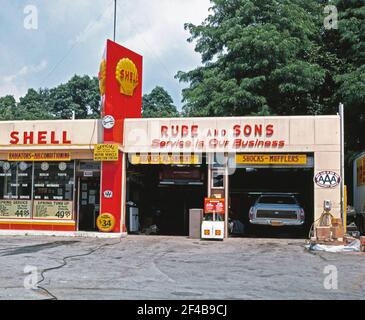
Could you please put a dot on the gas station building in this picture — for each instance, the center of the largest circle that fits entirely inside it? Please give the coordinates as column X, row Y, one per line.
column 60, row 175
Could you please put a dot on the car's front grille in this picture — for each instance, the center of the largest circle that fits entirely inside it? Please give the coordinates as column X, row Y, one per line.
column 276, row 214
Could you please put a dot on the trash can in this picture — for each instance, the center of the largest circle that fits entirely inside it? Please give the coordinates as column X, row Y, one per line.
column 132, row 218
column 195, row 220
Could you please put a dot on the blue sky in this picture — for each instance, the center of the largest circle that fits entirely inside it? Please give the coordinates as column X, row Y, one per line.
column 71, row 36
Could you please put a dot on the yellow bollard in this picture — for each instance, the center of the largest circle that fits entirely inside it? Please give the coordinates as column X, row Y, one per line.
column 345, row 209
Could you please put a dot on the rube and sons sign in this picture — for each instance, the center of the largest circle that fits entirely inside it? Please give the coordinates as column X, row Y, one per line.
column 204, row 135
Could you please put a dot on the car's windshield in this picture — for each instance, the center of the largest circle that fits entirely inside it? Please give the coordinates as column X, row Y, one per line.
column 277, row 200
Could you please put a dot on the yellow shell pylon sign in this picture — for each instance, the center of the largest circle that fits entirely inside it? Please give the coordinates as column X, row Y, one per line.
column 102, row 77
column 127, row 76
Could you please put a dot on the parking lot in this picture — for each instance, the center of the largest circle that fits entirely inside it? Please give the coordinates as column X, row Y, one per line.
column 159, row 267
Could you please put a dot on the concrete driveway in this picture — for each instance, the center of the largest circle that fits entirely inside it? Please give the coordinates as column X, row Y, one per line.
column 158, row 267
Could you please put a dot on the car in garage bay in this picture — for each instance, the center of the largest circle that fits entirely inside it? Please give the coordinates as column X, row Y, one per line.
column 277, row 209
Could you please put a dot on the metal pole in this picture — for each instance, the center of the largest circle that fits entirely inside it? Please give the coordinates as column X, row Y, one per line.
column 342, row 151
column 226, row 195
column 115, row 19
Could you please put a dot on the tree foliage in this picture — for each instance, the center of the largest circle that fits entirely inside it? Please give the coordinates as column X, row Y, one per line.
column 80, row 94
column 158, row 104
column 7, row 107
column 257, row 55
column 34, row 105
column 350, row 82
column 263, row 57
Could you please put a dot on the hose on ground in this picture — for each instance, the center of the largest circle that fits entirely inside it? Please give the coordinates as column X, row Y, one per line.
column 64, row 263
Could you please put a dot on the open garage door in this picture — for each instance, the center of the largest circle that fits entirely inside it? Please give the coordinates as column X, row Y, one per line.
column 289, row 176
column 163, row 194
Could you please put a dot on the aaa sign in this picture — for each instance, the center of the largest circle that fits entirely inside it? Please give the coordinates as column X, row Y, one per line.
column 327, row 179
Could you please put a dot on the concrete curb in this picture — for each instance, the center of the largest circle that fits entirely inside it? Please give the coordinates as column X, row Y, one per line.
column 80, row 234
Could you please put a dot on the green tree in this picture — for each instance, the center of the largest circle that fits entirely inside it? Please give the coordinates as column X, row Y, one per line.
column 258, row 57
column 350, row 90
column 158, row 104
column 266, row 57
column 35, row 105
column 7, row 108
column 80, row 94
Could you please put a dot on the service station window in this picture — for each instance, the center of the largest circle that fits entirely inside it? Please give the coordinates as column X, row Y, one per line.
column 218, row 179
column 53, row 190
column 15, row 189
column 53, row 181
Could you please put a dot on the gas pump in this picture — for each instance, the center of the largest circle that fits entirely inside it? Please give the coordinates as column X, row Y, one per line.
column 213, row 219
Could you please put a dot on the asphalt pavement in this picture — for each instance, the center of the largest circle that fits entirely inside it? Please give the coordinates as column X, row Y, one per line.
column 160, row 267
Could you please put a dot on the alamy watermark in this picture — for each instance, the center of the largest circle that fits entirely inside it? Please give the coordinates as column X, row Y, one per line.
column 331, row 20
column 31, row 17
column 330, row 281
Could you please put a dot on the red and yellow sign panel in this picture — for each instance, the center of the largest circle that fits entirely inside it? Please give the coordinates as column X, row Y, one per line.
column 102, row 77
column 360, row 166
column 214, row 205
column 276, row 159
column 39, row 156
column 122, row 99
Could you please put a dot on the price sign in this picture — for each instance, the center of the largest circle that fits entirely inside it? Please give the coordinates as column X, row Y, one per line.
column 55, row 210
column 15, row 209
column 105, row 222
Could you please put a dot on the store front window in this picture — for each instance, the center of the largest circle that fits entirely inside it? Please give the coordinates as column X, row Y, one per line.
column 54, row 181
column 37, row 190
column 53, row 190
column 15, row 189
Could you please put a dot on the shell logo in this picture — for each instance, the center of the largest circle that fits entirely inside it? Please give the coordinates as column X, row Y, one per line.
column 127, row 76
column 102, row 77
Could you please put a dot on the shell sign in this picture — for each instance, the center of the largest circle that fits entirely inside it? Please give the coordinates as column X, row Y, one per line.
column 127, row 76
column 122, row 100
column 102, row 77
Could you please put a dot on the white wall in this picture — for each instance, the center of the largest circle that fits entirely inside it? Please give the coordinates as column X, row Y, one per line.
column 78, row 131
column 310, row 134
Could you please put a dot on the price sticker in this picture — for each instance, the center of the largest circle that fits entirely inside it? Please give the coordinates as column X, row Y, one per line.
column 105, row 222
